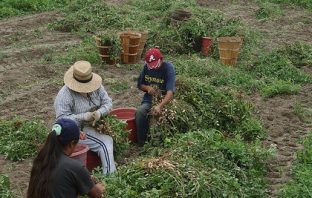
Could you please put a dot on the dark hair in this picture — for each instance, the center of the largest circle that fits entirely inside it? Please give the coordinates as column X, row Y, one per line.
column 47, row 160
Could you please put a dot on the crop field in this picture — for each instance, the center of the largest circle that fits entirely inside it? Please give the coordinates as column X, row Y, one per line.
column 233, row 131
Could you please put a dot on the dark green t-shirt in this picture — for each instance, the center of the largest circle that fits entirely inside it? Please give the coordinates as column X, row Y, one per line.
column 70, row 178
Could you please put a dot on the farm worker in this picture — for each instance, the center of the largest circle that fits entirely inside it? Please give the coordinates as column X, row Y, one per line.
column 156, row 73
column 54, row 173
column 84, row 100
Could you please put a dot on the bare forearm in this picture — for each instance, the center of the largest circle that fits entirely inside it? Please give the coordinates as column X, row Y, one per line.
column 144, row 88
column 168, row 97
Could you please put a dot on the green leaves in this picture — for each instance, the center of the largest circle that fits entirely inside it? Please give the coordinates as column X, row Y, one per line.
column 301, row 184
column 199, row 164
column 5, row 187
column 10, row 8
column 20, row 139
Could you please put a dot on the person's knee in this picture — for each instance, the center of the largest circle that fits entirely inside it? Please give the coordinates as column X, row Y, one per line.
column 109, row 140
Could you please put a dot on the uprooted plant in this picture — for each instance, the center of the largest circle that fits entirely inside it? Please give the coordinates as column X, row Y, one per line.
column 174, row 118
column 110, row 125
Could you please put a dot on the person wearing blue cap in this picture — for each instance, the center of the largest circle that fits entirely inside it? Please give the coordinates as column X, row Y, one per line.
column 54, row 173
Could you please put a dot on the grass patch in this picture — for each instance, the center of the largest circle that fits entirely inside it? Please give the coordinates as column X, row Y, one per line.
column 279, row 87
column 117, row 86
column 5, row 187
column 304, row 113
column 301, row 183
column 86, row 50
column 20, row 138
column 276, row 65
column 268, row 10
column 9, row 8
column 300, row 54
column 302, row 3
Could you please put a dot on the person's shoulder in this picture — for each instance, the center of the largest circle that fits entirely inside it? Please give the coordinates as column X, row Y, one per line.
column 71, row 163
column 64, row 90
column 168, row 64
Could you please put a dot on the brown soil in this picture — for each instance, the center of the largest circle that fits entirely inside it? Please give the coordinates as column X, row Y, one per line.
column 284, row 129
column 28, row 87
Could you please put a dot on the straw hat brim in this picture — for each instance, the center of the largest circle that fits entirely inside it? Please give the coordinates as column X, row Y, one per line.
column 88, row 87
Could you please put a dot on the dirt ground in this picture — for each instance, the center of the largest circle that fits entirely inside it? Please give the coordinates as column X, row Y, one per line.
column 28, row 87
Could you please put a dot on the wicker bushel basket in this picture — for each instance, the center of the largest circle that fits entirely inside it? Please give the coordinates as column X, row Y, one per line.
column 130, row 42
column 143, row 40
column 229, row 49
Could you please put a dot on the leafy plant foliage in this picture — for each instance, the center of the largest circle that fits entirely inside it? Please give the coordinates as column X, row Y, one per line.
column 20, row 138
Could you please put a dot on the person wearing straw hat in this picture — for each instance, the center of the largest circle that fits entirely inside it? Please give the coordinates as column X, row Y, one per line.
column 54, row 173
column 84, row 100
column 156, row 74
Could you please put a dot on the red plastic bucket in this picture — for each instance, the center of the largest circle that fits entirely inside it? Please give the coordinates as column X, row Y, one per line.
column 93, row 160
column 80, row 153
column 206, row 44
column 127, row 114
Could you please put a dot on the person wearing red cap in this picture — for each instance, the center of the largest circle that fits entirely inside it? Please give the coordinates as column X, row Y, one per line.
column 156, row 73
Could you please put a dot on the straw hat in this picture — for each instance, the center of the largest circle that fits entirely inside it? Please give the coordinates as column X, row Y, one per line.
column 80, row 78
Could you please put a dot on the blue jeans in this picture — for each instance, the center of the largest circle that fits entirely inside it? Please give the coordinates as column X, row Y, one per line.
column 142, row 122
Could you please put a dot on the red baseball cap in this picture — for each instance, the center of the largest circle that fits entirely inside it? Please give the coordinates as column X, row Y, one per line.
column 152, row 58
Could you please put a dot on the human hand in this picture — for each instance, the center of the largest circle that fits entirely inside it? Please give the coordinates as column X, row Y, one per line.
column 151, row 90
column 96, row 115
column 157, row 109
column 87, row 116
column 82, row 136
column 100, row 187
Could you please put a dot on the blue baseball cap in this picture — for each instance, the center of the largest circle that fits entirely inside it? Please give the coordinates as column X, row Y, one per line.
column 68, row 132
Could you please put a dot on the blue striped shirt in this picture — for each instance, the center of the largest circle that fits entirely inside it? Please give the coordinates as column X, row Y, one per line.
column 73, row 105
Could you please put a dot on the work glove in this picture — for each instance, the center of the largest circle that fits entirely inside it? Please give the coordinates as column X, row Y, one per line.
column 88, row 116
column 96, row 116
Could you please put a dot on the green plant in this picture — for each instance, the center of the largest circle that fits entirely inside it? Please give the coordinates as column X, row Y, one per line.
column 5, row 187
column 119, row 86
column 21, row 138
column 276, row 65
column 301, row 183
column 10, row 8
column 268, row 10
column 277, row 87
column 215, row 108
column 115, row 128
column 113, row 41
column 304, row 113
column 198, row 164
column 300, row 54
column 86, row 50
column 302, row 3
column 89, row 16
